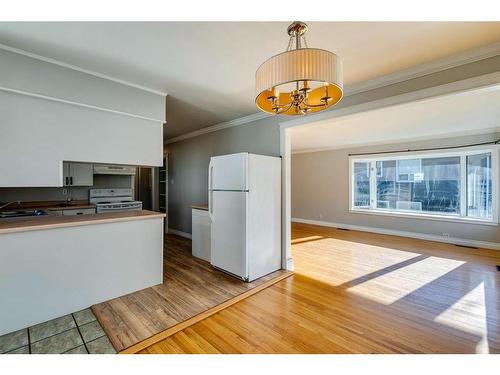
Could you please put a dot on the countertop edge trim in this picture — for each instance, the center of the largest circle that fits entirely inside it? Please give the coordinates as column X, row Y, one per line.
column 78, row 223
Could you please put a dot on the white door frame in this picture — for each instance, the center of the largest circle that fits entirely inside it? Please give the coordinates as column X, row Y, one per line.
column 286, row 201
column 483, row 82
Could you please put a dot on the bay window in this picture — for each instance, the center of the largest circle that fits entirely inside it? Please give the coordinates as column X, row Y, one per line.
column 455, row 185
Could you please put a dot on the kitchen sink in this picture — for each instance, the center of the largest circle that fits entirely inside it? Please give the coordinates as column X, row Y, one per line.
column 21, row 213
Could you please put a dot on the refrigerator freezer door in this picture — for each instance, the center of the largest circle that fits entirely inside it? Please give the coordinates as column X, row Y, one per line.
column 228, row 232
column 228, row 172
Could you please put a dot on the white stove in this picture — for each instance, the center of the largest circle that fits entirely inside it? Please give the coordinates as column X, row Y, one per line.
column 111, row 200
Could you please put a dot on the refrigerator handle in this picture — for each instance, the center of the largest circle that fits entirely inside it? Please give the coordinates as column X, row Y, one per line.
column 210, row 205
column 210, row 192
column 210, row 173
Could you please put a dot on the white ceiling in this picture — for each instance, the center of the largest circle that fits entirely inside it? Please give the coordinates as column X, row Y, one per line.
column 460, row 114
column 208, row 68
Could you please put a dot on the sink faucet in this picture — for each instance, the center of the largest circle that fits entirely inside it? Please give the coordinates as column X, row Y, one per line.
column 8, row 204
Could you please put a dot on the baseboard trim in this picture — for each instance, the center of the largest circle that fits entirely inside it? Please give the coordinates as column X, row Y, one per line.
column 421, row 236
column 195, row 319
column 180, row 233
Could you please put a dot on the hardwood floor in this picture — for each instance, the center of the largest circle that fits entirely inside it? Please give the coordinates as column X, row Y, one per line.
column 191, row 287
column 357, row 292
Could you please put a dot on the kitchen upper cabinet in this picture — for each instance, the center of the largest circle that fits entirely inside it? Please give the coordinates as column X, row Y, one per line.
column 78, row 174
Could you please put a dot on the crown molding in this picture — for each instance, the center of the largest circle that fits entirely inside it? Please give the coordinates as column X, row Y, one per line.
column 79, row 69
column 417, row 71
column 395, row 142
column 480, row 83
column 223, row 125
column 435, row 66
column 60, row 100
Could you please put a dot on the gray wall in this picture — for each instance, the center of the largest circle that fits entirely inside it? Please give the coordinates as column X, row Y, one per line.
column 188, row 163
column 320, row 191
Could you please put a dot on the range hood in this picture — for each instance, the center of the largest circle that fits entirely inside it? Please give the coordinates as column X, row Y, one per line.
column 114, row 169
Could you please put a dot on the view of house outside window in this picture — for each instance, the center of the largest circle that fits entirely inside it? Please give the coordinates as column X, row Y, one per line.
column 362, row 185
column 429, row 185
column 479, row 186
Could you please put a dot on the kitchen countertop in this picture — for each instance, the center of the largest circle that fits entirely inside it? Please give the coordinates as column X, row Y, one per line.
column 24, row 224
column 203, row 207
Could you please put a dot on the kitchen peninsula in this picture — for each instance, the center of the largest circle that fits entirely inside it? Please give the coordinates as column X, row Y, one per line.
column 54, row 265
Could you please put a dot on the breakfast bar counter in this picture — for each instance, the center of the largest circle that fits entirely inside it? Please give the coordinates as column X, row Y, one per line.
column 51, row 266
column 13, row 225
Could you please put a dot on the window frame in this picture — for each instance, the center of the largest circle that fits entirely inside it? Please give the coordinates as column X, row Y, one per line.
column 460, row 152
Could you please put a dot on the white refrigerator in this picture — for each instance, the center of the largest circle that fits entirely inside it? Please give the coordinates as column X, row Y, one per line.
column 244, row 205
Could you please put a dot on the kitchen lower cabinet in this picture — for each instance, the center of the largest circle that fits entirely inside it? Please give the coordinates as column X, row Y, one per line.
column 73, row 212
column 201, row 234
column 84, row 211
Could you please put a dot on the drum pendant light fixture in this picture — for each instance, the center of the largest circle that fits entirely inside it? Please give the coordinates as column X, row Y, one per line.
column 300, row 80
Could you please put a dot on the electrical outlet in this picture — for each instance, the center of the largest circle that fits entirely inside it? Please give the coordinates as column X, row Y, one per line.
column 321, row 216
column 444, row 234
column 65, row 191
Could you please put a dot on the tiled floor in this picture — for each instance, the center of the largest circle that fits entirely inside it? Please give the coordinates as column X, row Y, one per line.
column 77, row 333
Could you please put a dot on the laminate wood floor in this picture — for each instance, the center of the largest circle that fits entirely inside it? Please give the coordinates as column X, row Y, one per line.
column 190, row 286
column 357, row 292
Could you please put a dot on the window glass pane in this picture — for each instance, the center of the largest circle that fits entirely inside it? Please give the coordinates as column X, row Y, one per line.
column 430, row 185
column 361, row 185
column 479, row 186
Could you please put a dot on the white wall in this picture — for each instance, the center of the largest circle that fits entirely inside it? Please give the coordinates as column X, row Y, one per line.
column 34, row 76
column 53, row 272
column 49, row 114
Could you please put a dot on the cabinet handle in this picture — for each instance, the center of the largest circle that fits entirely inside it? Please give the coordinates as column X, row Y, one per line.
column 71, row 180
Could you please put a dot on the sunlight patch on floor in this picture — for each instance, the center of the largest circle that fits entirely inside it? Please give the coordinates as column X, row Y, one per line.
column 391, row 287
column 353, row 260
column 469, row 314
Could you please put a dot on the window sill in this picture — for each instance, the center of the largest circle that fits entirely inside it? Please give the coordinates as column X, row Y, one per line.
column 464, row 220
